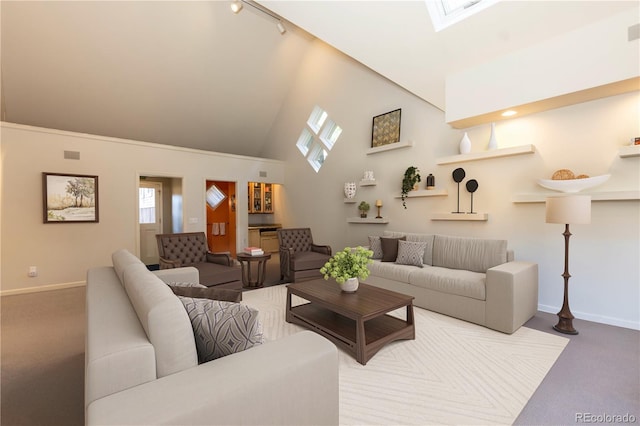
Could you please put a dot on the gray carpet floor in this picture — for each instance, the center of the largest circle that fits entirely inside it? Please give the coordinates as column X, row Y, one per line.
column 42, row 362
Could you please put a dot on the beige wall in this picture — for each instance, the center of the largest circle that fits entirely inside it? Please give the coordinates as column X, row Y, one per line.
column 588, row 57
column 584, row 137
column 63, row 252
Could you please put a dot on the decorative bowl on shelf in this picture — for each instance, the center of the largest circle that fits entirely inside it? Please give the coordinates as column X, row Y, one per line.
column 573, row 185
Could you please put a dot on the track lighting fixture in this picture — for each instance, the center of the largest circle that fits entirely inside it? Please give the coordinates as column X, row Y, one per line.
column 236, row 7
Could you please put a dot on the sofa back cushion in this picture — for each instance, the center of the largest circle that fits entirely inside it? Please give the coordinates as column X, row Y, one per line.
column 121, row 259
column 163, row 318
column 471, row 254
column 417, row 238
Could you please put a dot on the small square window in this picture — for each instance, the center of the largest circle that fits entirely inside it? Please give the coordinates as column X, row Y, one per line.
column 215, row 197
column 317, row 157
column 317, row 118
column 330, row 134
column 304, row 142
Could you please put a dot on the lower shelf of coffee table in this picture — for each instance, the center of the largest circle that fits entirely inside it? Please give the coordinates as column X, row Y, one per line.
column 343, row 328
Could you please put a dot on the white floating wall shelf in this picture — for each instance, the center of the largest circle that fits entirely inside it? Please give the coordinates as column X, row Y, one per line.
column 479, row 217
column 367, row 220
column 629, row 151
column 484, row 155
column 389, row 147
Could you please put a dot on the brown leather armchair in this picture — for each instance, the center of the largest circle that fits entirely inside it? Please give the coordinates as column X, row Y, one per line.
column 299, row 256
column 191, row 249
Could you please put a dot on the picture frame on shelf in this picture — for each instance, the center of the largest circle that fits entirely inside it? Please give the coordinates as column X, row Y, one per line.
column 69, row 198
column 386, row 128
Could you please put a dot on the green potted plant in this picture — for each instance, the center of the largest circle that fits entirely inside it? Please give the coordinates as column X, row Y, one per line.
column 347, row 266
column 364, row 208
column 410, row 179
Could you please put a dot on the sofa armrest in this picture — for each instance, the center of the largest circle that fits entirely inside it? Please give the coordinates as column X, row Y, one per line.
column 169, row 264
column 222, row 258
column 321, row 249
column 188, row 274
column 293, row 380
column 511, row 295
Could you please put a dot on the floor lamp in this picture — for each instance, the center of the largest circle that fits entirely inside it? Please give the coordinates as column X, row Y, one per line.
column 569, row 209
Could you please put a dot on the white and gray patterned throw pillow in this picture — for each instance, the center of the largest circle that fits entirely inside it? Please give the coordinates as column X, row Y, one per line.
column 222, row 328
column 376, row 246
column 411, row 253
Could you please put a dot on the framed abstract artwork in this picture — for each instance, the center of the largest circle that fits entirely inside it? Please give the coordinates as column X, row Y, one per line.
column 386, row 129
column 68, row 198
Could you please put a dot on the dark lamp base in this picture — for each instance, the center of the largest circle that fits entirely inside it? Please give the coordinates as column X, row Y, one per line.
column 565, row 326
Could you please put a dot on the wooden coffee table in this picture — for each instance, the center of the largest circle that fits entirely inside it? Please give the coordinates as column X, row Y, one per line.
column 357, row 322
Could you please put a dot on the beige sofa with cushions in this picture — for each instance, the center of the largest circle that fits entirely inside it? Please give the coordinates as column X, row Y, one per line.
column 141, row 364
column 472, row 279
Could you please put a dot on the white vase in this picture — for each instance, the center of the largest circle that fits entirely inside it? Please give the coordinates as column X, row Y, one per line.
column 350, row 189
column 465, row 144
column 493, row 142
column 350, row 285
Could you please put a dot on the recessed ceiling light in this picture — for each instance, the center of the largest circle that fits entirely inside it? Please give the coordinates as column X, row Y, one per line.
column 509, row 113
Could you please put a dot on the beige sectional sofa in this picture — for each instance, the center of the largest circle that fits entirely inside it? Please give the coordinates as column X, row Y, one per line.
column 472, row 279
column 141, row 363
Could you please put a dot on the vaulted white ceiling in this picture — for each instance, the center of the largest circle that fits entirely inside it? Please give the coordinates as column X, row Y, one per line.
column 193, row 74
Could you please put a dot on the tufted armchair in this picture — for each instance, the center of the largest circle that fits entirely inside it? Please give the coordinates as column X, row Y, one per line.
column 299, row 256
column 191, row 249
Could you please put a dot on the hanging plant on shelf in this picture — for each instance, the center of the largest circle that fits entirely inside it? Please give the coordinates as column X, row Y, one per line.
column 410, row 179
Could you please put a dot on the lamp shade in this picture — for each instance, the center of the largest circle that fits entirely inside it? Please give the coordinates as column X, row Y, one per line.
column 378, row 203
column 571, row 209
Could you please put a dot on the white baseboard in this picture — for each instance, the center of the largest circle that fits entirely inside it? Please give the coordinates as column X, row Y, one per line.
column 42, row 288
column 594, row 318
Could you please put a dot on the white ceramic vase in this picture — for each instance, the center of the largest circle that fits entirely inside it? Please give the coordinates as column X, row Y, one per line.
column 493, row 142
column 465, row 144
column 350, row 285
column 350, row 189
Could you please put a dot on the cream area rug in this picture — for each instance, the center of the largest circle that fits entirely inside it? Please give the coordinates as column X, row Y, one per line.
column 454, row 372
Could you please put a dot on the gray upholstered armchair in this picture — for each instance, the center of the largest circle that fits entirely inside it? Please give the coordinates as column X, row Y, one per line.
column 299, row 256
column 191, row 249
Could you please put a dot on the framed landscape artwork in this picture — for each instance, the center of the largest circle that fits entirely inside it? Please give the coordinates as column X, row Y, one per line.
column 386, row 129
column 69, row 198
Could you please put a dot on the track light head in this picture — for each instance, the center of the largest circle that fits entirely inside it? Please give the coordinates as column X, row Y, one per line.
column 236, row 6
column 281, row 27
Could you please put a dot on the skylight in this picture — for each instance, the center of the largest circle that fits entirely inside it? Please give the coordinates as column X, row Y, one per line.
column 445, row 13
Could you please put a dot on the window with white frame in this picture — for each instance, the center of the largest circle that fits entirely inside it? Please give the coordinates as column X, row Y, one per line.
column 318, row 137
column 215, row 197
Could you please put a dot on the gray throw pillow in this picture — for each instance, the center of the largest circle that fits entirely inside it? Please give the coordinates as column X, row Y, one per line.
column 376, row 247
column 390, row 248
column 224, row 294
column 411, row 253
column 222, row 328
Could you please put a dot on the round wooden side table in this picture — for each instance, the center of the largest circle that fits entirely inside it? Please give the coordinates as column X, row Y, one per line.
column 245, row 263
